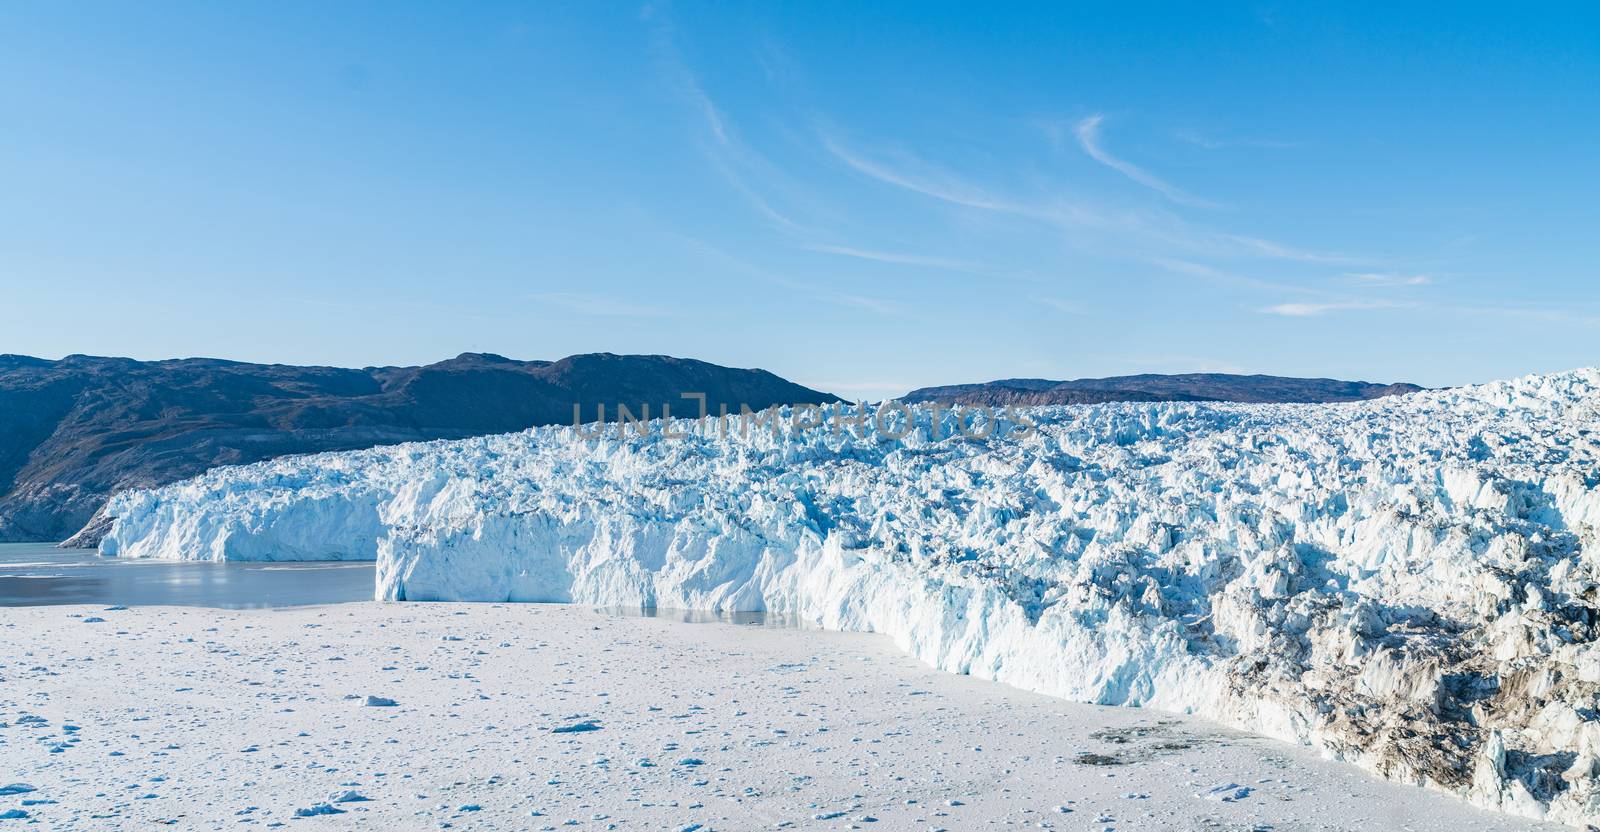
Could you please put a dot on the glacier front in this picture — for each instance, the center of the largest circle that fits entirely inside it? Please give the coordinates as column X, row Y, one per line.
column 1409, row 583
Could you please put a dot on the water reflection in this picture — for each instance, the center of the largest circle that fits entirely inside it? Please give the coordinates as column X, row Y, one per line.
column 39, row 573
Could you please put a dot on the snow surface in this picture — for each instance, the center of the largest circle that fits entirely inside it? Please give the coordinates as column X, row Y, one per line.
column 1408, row 583
column 190, row 718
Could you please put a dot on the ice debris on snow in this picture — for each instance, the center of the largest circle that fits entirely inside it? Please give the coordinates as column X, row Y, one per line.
column 1226, row 792
column 318, row 809
column 1410, row 583
column 576, row 727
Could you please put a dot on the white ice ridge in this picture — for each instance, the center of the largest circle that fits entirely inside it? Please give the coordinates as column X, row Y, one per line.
column 1409, row 583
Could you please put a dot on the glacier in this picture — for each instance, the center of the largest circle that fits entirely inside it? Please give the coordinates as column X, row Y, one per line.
column 1410, row 584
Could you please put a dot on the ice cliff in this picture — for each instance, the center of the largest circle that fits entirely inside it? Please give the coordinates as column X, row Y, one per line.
column 1409, row 583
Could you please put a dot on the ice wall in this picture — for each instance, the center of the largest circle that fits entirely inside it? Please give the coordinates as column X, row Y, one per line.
column 1409, row 583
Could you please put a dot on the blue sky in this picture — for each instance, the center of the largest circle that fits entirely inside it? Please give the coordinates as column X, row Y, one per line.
column 862, row 197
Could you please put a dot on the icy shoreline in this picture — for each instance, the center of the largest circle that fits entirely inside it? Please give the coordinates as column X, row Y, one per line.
column 1408, row 583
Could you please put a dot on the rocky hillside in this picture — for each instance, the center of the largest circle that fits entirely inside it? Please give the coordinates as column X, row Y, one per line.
column 75, row 431
column 1187, row 387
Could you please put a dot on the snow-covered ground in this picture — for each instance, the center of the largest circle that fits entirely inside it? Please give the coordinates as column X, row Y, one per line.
column 1409, row 583
column 208, row 719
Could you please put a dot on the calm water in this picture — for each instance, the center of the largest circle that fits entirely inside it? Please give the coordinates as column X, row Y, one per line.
column 39, row 573
column 32, row 574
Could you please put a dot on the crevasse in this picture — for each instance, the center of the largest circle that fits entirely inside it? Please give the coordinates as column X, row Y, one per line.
column 1409, row 583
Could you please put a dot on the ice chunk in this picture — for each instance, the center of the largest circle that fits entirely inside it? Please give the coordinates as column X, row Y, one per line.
column 576, row 727
column 1226, row 792
column 318, row 809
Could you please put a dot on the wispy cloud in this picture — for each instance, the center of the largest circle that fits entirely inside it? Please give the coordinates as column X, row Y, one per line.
column 1545, row 313
column 1217, row 275
column 1088, row 132
column 732, row 159
column 1127, row 230
column 1307, row 310
column 791, row 203
column 753, row 176
column 1279, row 251
column 1064, row 306
column 902, row 259
column 1385, row 280
column 942, row 187
column 598, row 305
column 1535, row 313
column 1209, row 142
column 678, row 73
column 852, row 300
column 812, row 290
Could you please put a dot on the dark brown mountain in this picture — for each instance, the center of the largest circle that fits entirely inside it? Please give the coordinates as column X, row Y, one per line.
column 74, row 431
column 1201, row 387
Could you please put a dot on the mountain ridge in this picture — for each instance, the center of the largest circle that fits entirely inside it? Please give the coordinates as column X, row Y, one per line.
column 74, row 431
column 1154, row 387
